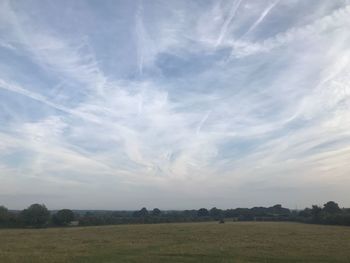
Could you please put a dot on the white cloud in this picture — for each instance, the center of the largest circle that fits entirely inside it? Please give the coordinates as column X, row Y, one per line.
column 266, row 114
column 338, row 19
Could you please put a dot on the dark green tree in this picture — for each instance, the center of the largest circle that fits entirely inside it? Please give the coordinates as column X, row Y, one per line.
column 4, row 215
column 202, row 212
column 215, row 213
column 63, row 217
column 141, row 213
column 331, row 208
column 316, row 212
column 35, row 215
column 305, row 213
column 156, row 212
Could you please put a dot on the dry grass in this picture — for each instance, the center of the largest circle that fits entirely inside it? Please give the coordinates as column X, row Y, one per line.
column 192, row 242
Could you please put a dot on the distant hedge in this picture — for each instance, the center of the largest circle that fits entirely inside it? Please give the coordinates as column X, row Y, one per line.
column 37, row 215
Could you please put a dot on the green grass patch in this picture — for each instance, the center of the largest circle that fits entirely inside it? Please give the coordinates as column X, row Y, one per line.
column 186, row 242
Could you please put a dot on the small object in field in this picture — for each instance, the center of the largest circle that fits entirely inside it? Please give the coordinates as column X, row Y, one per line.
column 221, row 221
column 74, row 223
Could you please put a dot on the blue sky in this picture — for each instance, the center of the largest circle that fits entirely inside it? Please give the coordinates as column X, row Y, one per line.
column 174, row 104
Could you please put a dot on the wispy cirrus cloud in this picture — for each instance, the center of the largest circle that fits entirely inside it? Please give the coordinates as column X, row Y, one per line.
column 214, row 98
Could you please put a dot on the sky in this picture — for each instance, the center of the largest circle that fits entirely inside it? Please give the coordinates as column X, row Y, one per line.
column 177, row 104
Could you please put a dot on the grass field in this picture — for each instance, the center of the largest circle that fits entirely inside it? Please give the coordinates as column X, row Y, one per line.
column 190, row 242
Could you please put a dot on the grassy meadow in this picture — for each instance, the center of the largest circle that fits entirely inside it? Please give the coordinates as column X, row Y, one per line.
column 186, row 242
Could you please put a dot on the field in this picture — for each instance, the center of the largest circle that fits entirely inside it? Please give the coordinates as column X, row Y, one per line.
column 187, row 242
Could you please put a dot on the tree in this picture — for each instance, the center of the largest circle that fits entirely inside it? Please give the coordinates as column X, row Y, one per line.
column 141, row 213
column 316, row 212
column 331, row 208
column 35, row 215
column 305, row 213
column 4, row 215
column 63, row 217
column 156, row 212
column 202, row 212
column 244, row 214
column 215, row 213
column 279, row 210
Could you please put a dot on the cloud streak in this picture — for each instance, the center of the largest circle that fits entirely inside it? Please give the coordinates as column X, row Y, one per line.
column 261, row 17
column 157, row 112
column 225, row 26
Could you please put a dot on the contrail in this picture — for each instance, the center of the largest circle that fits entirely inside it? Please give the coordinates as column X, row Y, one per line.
column 139, row 28
column 227, row 22
column 261, row 17
column 203, row 120
column 38, row 97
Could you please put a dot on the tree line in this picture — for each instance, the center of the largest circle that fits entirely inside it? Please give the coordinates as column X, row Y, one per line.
column 37, row 215
column 330, row 214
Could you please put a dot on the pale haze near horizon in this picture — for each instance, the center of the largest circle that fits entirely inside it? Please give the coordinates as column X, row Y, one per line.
column 174, row 104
